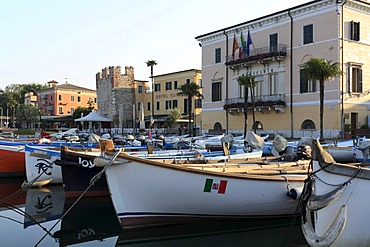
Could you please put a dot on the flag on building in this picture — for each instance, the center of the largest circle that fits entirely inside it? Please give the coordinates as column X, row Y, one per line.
column 249, row 42
column 212, row 185
column 242, row 45
column 151, row 120
column 235, row 46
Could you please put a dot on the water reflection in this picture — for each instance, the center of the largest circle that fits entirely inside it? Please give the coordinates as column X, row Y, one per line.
column 44, row 217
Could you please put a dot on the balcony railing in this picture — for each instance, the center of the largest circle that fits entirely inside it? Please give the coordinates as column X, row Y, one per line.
column 263, row 101
column 268, row 53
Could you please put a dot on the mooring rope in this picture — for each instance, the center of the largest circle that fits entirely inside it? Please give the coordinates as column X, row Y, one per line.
column 92, row 182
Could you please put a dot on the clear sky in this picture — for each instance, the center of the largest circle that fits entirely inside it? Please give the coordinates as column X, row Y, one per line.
column 44, row 40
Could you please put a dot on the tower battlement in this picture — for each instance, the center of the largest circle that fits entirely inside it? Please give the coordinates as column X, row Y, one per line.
column 114, row 76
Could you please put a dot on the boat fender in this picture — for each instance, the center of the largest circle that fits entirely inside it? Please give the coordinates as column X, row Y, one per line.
column 294, row 193
column 101, row 162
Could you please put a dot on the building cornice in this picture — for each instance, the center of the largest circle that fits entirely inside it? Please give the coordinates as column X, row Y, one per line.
column 272, row 19
column 359, row 6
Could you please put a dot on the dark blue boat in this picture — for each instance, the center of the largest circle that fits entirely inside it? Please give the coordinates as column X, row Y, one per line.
column 80, row 175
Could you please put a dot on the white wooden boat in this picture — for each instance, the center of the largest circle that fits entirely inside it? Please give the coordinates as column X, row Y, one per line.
column 40, row 167
column 338, row 200
column 147, row 192
column 349, row 151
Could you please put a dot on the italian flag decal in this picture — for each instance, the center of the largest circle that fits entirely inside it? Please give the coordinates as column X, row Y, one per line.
column 215, row 186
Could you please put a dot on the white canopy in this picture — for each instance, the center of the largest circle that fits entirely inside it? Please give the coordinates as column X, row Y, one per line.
column 93, row 117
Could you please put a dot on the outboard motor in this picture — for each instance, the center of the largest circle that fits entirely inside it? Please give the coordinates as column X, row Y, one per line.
column 303, row 152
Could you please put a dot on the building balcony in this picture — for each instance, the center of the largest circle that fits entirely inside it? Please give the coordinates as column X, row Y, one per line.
column 262, row 103
column 258, row 55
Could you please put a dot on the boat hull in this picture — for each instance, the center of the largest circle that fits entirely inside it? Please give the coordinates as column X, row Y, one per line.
column 12, row 161
column 40, row 167
column 147, row 194
column 78, row 170
column 354, row 197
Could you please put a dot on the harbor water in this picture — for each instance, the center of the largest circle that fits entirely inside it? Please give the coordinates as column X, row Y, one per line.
column 45, row 217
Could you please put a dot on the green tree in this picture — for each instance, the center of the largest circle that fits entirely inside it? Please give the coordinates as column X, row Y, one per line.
column 81, row 112
column 151, row 64
column 320, row 69
column 13, row 96
column 174, row 115
column 190, row 90
column 27, row 115
column 248, row 81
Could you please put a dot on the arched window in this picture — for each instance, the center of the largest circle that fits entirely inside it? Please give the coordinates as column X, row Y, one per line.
column 258, row 124
column 217, row 126
column 308, row 124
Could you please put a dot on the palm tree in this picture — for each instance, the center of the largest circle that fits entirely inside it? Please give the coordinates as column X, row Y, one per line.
column 190, row 90
column 248, row 81
column 151, row 64
column 320, row 69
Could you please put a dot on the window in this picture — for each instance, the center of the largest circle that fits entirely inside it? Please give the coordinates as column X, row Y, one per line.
column 186, row 106
column 168, row 85
column 168, row 104
column 216, row 91
column 355, row 79
column 218, row 55
column 72, row 110
column 200, row 82
column 148, row 106
column 59, row 97
column 355, row 31
column 140, row 89
column 139, row 106
column 258, row 86
column 187, row 81
column 158, row 105
column 308, row 34
column 157, row 87
column 78, row 98
column 273, row 42
column 60, row 110
column 72, row 98
column 308, row 125
column 95, row 100
column 258, row 125
column 174, row 103
column 175, row 85
column 305, row 84
column 198, row 103
column 273, row 84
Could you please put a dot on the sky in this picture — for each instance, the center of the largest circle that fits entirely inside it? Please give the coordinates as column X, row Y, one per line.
column 69, row 40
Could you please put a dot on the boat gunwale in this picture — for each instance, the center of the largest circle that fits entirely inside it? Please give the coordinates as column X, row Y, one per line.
column 275, row 177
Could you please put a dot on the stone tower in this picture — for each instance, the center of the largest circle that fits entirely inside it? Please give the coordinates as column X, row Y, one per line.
column 115, row 95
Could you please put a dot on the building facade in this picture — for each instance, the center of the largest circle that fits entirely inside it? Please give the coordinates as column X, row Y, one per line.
column 63, row 99
column 166, row 89
column 30, row 99
column 273, row 48
column 128, row 102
